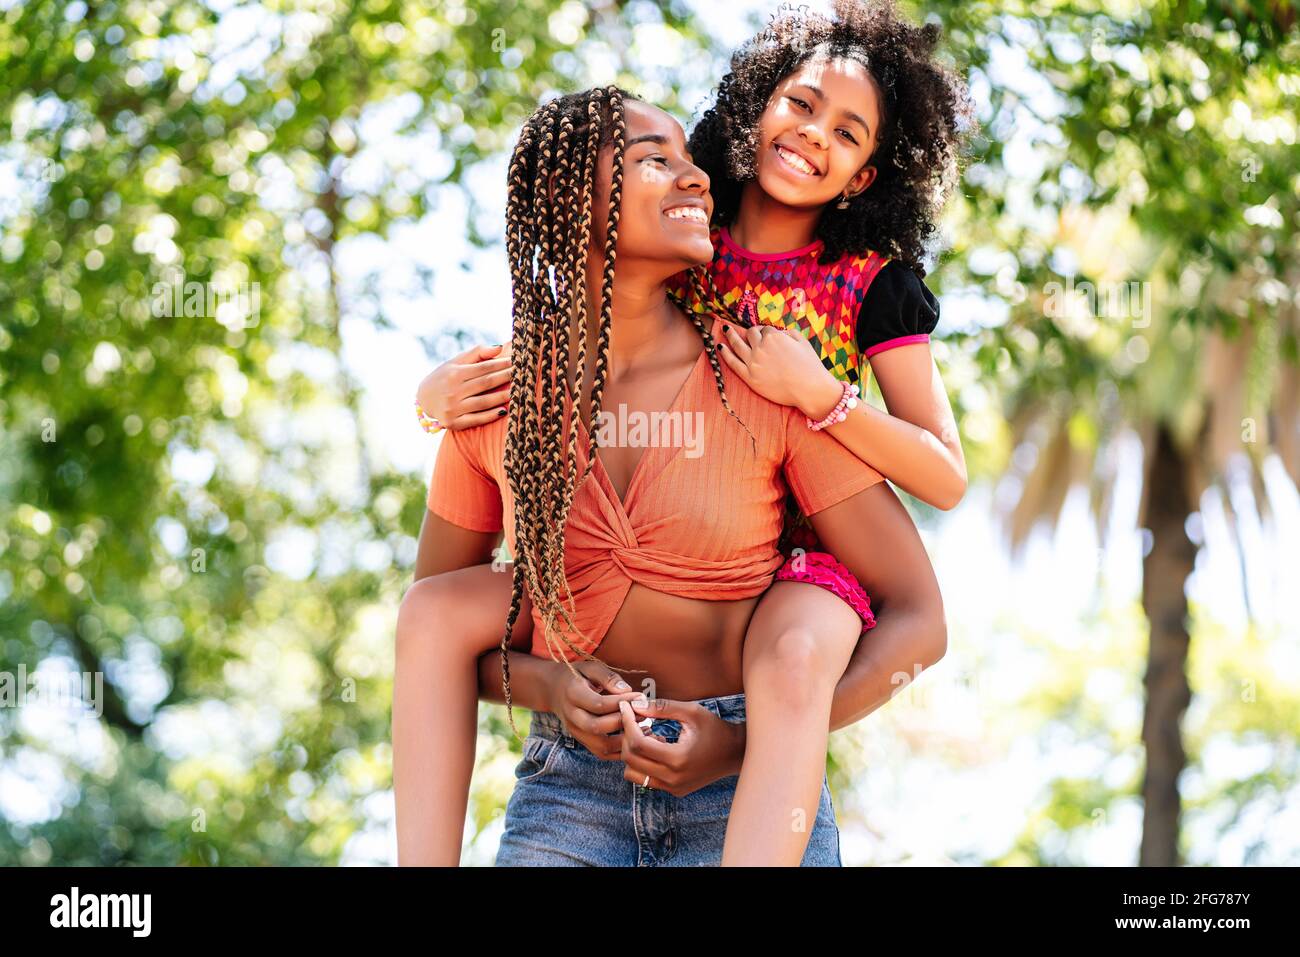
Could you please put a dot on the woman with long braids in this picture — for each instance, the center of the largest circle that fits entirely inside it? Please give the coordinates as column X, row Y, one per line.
column 653, row 556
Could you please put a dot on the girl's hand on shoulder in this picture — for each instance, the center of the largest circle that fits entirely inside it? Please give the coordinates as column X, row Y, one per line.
column 468, row 390
column 779, row 364
column 708, row 748
column 588, row 705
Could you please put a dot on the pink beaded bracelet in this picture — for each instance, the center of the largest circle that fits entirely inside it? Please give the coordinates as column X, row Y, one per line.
column 848, row 400
column 428, row 422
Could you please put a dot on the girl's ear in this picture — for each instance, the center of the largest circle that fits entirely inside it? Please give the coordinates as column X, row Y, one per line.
column 861, row 180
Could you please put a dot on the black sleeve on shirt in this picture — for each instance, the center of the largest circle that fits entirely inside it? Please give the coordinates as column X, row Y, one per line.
column 897, row 304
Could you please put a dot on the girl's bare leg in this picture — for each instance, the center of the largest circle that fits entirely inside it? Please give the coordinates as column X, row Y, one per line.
column 796, row 649
column 445, row 623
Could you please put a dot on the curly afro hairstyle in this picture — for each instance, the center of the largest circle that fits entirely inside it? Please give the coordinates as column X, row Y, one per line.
column 927, row 114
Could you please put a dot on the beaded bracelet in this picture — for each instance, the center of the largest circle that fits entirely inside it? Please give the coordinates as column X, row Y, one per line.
column 428, row 422
column 848, row 400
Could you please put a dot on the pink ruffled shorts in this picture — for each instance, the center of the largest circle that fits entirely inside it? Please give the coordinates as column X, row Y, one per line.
column 821, row 569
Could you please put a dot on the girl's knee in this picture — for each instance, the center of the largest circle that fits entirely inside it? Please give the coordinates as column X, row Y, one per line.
column 460, row 615
column 426, row 602
column 789, row 661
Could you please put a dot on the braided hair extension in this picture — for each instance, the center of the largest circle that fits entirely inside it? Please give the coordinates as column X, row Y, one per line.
column 547, row 269
column 707, row 302
column 554, row 164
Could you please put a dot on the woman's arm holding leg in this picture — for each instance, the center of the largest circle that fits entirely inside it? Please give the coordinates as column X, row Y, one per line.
column 890, row 562
column 874, row 536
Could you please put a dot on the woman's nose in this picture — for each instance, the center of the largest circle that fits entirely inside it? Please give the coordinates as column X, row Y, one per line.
column 692, row 177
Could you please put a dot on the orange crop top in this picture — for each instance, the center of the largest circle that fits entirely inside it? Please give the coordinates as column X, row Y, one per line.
column 702, row 515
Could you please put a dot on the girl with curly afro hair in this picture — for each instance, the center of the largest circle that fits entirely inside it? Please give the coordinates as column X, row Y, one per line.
column 831, row 146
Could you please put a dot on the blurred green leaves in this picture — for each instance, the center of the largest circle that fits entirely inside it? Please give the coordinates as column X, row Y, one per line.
column 187, row 501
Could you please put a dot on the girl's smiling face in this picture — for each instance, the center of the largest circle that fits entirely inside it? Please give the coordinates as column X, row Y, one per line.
column 818, row 132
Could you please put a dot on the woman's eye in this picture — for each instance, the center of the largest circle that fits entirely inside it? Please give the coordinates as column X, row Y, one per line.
column 658, row 159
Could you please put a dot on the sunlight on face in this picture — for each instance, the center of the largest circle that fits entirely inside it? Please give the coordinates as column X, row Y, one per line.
column 818, row 132
column 665, row 207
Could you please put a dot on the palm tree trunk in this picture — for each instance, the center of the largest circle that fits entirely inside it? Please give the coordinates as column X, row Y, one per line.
column 1165, row 570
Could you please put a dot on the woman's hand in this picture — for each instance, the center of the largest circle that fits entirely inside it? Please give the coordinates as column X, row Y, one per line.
column 467, row 390
column 781, row 366
column 588, row 706
column 707, row 749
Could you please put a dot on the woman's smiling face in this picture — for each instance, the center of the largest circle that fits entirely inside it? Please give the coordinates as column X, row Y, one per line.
column 666, row 207
column 818, row 132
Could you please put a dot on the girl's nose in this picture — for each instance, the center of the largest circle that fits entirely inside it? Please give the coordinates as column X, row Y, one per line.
column 814, row 135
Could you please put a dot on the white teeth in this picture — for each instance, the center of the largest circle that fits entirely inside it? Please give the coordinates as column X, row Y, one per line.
column 688, row 212
column 797, row 161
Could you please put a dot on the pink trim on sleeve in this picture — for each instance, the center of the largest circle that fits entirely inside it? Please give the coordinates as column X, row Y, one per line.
column 895, row 343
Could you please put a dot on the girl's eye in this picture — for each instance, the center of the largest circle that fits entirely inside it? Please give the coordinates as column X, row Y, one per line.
column 798, row 102
column 849, row 136
column 658, row 159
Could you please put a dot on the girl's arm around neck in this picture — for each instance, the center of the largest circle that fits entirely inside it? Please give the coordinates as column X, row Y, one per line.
column 890, row 561
column 915, row 445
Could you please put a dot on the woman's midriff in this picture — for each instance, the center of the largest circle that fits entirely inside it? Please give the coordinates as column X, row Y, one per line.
column 689, row 648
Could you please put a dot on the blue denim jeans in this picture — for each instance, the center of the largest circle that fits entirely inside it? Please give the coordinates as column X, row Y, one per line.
column 571, row 809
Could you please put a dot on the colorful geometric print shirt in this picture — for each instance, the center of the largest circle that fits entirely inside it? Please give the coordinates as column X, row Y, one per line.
column 851, row 309
column 828, row 304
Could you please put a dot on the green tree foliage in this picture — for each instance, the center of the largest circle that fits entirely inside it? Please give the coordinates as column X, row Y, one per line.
column 187, row 502
column 1146, row 260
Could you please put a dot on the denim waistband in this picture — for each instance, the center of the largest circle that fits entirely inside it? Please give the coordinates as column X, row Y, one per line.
column 729, row 707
